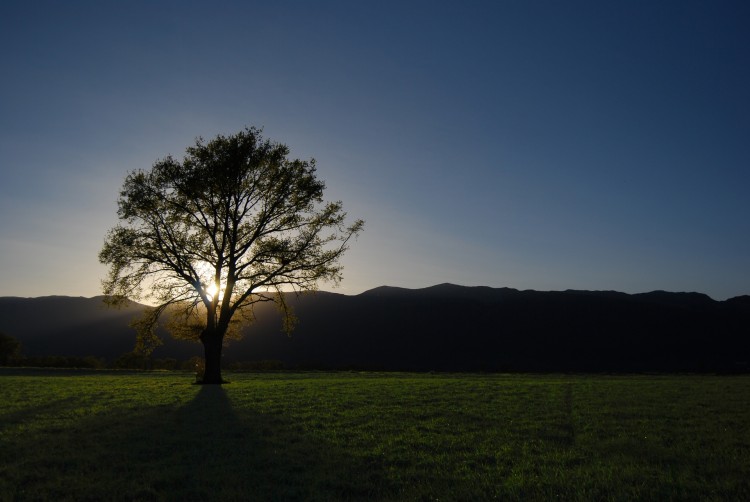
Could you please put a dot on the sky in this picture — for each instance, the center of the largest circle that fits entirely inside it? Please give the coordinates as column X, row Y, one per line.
column 545, row 145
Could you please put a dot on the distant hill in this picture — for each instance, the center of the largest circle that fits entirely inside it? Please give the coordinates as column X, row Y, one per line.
column 444, row 327
column 77, row 326
column 62, row 325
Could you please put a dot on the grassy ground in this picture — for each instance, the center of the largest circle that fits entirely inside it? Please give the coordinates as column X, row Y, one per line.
column 369, row 436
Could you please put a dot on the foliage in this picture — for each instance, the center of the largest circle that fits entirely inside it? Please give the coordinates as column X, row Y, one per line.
column 10, row 349
column 137, row 361
column 231, row 225
column 131, row 360
column 85, row 362
column 262, row 365
column 374, row 436
column 167, row 363
column 195, row 365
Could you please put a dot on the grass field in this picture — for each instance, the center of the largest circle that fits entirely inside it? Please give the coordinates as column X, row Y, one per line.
column 373, row 436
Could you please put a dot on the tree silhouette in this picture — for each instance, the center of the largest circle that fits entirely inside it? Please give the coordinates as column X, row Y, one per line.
column 235, row 223
column 10, row 348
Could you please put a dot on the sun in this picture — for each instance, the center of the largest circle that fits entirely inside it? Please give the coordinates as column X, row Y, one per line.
column 211, row 290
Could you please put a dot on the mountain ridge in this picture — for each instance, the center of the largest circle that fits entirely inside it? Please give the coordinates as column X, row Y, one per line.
column 442, row 327
column 439, row 288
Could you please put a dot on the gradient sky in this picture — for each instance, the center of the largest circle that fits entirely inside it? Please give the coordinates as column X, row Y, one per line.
column 536, row 145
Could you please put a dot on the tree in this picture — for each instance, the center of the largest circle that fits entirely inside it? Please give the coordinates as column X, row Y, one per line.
column 233, row 224
column 10, row 348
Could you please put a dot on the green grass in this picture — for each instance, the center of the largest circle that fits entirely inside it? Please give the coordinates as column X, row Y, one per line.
column 373, row 436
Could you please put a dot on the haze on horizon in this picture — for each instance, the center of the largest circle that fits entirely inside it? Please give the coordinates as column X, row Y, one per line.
column 534, row 145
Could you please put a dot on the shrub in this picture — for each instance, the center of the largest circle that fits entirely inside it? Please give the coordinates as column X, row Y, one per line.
column 263, row 365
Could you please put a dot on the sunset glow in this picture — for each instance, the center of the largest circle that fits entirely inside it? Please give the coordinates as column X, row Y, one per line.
column 548, row 146
column 211, row 290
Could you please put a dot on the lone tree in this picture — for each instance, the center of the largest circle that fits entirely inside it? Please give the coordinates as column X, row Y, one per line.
column 233, row 224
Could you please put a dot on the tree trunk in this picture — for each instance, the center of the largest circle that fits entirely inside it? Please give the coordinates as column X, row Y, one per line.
column 212, row 343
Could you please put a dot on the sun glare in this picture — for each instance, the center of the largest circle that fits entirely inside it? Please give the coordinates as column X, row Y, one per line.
column 206, row 273
column 211, row 290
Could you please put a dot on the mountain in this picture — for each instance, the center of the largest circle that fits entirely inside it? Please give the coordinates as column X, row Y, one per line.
column 443, row 327
column 77, row 326
column 60, row 325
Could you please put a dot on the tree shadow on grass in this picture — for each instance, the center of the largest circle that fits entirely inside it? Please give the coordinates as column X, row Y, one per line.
column 204, row 450
column 264, row 457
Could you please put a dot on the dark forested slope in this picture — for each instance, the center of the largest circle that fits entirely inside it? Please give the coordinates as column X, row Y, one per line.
column 444, row 327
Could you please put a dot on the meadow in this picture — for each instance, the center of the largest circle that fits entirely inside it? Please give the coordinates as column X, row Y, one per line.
column 106, row 435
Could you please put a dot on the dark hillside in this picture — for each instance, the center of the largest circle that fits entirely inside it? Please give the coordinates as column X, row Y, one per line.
column 77, row 326
column 444, row 327
column 453, row 328
column 60, row 325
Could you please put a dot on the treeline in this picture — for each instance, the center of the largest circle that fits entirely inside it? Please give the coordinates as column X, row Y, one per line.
column 88, row 362
column 135, row 361
column 10, row 355
column 195, row 364
column 131, row 361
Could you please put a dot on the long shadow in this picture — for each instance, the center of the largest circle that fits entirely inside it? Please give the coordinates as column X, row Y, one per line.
column 204, row 450
column 267, row 457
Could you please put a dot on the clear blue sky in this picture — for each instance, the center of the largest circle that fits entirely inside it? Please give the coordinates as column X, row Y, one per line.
column 529, row 144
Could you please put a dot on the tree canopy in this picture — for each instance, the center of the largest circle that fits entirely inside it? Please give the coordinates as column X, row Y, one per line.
column 236, row 222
